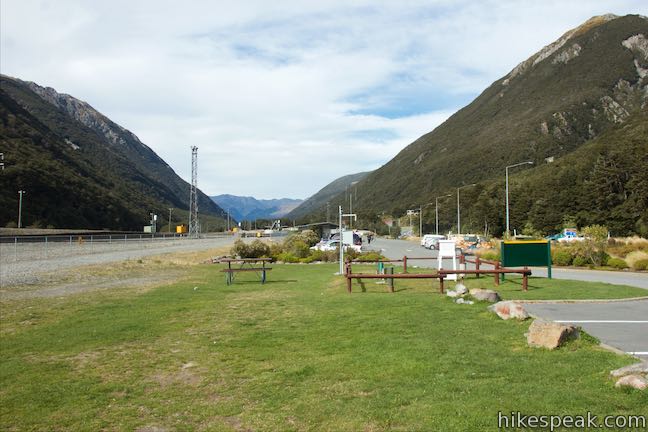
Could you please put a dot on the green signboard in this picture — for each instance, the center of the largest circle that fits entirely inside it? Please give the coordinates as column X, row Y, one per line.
column 520, row 253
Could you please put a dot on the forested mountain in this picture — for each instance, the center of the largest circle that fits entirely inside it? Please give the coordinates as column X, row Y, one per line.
column 249, row 208
column 81, row 170
column 309, row 208
column 571, row 109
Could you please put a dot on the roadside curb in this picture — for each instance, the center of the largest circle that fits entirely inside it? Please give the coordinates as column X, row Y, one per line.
column 581, row 301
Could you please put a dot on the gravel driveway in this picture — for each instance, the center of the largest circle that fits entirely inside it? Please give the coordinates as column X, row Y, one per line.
column 23, row 263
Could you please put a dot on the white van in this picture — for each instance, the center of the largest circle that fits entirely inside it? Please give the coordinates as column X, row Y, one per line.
column 431, row 240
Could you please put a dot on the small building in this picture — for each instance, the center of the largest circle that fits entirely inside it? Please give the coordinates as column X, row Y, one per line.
column 323, row 229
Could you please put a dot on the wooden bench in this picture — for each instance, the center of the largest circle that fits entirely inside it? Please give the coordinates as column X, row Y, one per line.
column 246, row 265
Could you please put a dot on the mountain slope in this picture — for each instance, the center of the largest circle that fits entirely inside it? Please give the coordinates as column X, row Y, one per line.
column 591, row 80
column 249, row 208
column 81, row 170
column 318, row 201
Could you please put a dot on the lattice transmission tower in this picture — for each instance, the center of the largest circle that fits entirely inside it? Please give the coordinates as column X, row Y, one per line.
column 194, row 226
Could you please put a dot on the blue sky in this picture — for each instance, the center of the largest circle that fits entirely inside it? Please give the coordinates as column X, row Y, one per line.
column 280, row 97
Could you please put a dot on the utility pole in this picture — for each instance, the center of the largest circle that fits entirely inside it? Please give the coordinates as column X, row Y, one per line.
column 2, row 161
column 341, row 215
column 228, row 220
column 328, row 211
column 170, row 218
column 507, row 193
column 20, row 192
column 194, row 229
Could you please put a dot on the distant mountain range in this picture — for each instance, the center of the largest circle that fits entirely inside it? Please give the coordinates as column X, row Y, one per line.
column 248, row 208
column 81, row 170
column 576, row 109
column 324, row 195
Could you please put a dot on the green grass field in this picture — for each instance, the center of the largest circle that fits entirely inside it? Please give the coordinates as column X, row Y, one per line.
column 297, row 353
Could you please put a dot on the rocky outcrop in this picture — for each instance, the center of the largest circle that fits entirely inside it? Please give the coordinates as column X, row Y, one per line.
column 485, row 295
column 550, row 335
column 509, row 310
column 638, row 382
column 637, row 368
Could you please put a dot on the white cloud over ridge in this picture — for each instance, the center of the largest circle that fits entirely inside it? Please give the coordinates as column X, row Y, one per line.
column 280, row 97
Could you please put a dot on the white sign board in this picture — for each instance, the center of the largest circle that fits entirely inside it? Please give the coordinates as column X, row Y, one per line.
column 447, row 249
column 347, row 237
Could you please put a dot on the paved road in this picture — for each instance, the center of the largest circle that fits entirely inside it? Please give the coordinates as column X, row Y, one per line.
column 623, row 325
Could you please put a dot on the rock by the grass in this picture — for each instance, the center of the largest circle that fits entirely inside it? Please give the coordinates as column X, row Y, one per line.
column 451, row 293
column 461, row 289
column 548, row 334
column 485, row 295
column 461, row 300
column 634, row 381
column 640, row 368
column 509, row 309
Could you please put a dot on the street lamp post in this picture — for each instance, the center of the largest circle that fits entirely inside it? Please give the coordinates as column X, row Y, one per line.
column 507, row 192
column 437, row 211
column 20, row 192
column 170, row 218
column 458, row 208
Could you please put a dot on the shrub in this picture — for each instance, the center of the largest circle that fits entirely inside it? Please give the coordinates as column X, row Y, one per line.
column 309, row 237
column 287, row 257
column 239, row 249
column 562, row 258
column 641, row 264
column 370, row 256
column 617, row 263
column 491, row 255
column 593, row 247
column 258, row 249
column 580, row 261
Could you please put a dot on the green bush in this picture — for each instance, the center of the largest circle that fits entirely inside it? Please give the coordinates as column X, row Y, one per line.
column 239, row 249
column 370, row 257
column 287, row 257
column 581, row 261
column 258, row 249
column 491, row 255
column 641, row 264
column 309, row 237
column 617, row 263
column 562, row 258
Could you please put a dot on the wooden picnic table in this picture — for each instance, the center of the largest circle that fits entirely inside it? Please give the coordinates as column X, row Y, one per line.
column 244, row 265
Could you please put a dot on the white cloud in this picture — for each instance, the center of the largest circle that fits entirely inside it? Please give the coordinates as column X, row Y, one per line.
column 280, row 97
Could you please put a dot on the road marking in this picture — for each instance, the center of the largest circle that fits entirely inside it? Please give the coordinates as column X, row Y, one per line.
column 601, row 321
column 637, row 352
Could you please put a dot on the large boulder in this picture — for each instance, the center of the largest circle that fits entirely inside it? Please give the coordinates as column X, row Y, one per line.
column 548, row 334
column 509, row 309
column 634, row 381
column 640, row 368
column 485, row 295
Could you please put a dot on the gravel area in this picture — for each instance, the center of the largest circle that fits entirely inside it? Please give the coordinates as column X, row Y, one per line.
column 23, row 263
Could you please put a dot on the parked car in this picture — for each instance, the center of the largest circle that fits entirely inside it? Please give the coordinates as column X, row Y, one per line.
column 332, row 245
column 432, row 240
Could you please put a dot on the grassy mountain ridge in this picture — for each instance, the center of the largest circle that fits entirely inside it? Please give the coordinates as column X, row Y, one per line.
column 80, row 169
column 591, row 80
column 329, row 192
